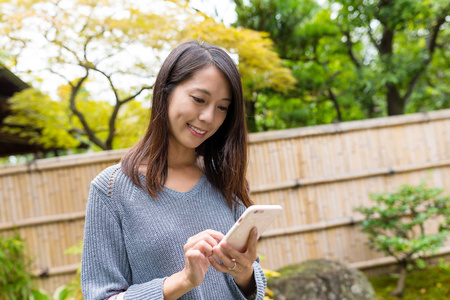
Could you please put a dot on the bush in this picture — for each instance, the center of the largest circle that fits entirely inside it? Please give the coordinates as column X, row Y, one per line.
column 15, row 278
column 396, row 225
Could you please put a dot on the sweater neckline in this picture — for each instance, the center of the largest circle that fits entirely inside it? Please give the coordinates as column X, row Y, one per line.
column 186, row 195
column 196, row 188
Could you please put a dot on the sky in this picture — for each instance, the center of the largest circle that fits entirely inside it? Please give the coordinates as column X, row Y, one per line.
column 225, row 9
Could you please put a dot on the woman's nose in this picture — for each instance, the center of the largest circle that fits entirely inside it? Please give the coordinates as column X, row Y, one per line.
column 207, row 114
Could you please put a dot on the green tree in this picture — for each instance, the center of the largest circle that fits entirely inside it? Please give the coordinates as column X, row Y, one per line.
column 405, row 35
column 396, row 225
column 305, row 39
column 354, row 59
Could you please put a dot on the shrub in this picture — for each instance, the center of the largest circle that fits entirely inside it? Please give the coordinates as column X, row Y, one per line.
column 15, row 278
column 396, row 225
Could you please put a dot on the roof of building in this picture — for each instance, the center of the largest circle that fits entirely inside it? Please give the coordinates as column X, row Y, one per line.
column 11, row 144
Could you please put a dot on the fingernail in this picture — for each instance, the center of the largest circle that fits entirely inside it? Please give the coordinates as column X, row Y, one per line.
column 255, row 231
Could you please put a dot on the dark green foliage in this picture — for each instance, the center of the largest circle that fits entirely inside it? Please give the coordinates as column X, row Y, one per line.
column 15, row 278
column 353, row 59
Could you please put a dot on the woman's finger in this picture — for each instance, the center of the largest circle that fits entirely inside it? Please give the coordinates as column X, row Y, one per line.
column 196, row 265
column 252, row 243
column 224, row 256
column 224, row 268
column 204, row 248
column 210, row 236
column 217, row 235
column 251, row 252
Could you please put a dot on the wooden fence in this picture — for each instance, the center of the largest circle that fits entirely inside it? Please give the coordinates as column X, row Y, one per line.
column 318, row 174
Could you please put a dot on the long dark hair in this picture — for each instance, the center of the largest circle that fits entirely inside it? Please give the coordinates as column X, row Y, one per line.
column 224, row 154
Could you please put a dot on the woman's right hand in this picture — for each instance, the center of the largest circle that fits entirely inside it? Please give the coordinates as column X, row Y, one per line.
column 197, row 250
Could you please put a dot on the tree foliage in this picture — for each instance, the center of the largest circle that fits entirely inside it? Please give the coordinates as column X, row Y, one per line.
column 86, row 42
column 106, row 55
column 353, row 59
column 405, row 35
column 397, row 224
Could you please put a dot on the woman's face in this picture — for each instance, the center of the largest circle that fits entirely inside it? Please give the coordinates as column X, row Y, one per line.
column 197, row 108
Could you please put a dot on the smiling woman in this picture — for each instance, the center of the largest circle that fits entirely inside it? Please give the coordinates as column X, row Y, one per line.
column 199, row 105
column 141, row 240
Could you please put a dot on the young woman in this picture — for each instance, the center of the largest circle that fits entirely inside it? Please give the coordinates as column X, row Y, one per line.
column 154, row 221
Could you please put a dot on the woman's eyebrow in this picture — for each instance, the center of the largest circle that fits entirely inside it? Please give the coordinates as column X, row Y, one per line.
column 209, row 93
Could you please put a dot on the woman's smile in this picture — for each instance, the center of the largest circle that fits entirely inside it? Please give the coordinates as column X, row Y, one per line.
column 196, row 131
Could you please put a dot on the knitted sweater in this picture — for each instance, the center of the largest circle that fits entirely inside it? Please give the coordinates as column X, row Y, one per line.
column 133, row 242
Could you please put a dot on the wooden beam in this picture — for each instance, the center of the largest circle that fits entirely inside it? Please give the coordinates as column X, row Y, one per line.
column 42, row 220
column 349, row 126
column 349, row 176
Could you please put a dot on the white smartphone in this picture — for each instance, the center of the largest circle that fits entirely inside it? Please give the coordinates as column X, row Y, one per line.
column 259, row 216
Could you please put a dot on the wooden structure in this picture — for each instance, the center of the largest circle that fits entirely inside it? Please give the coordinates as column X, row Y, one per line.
column 318, row 174
column 11, row 144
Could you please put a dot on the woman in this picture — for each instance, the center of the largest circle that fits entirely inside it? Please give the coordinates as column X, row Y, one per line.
column 154, row 221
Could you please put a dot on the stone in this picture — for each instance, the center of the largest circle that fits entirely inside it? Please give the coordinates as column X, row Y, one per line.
column 321, row 280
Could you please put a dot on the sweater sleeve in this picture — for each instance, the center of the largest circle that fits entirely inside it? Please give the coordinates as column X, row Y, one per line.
column 258, row 273
column 105, row 270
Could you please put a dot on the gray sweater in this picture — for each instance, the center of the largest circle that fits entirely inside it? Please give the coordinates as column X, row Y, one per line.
column 133, row 242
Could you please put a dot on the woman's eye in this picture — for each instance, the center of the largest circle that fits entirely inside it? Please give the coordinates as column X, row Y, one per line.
column 199, row 100
column 223, row 108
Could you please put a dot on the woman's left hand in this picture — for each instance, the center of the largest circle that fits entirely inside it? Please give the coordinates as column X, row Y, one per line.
column 237, row 264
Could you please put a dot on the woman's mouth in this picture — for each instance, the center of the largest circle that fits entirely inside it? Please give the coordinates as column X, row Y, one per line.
column 196, row 131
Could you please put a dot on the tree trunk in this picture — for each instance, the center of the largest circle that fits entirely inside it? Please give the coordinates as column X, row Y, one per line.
column 336, row 104
column 395, row 103
column 250, row 112
column 398, row 292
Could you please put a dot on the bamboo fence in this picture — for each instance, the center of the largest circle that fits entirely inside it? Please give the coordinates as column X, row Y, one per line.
column 318, row 174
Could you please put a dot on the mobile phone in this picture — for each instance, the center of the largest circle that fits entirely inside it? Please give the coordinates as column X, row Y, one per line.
column 259, row 216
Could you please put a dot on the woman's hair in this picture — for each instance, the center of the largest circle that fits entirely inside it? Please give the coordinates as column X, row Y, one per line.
column 224, row 154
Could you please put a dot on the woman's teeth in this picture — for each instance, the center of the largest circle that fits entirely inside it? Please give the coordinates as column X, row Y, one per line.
column 196, row 130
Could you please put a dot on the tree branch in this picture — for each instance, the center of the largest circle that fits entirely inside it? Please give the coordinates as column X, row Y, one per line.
column 106, row 57
column 88, row 40
column 349, row 44
column 239, row 4
column 372, row 39
column 89, row 132
column 137, row 94
column 336, row 104
column 61, row 45
column 62, row 76
column 430, row 48
column 112, row 119
column 111, row 84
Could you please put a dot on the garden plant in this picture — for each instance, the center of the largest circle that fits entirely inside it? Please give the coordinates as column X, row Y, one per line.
column 397, row 225
column 16, row 281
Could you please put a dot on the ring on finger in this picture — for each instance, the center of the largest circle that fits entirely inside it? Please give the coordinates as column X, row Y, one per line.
column 233, row 267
